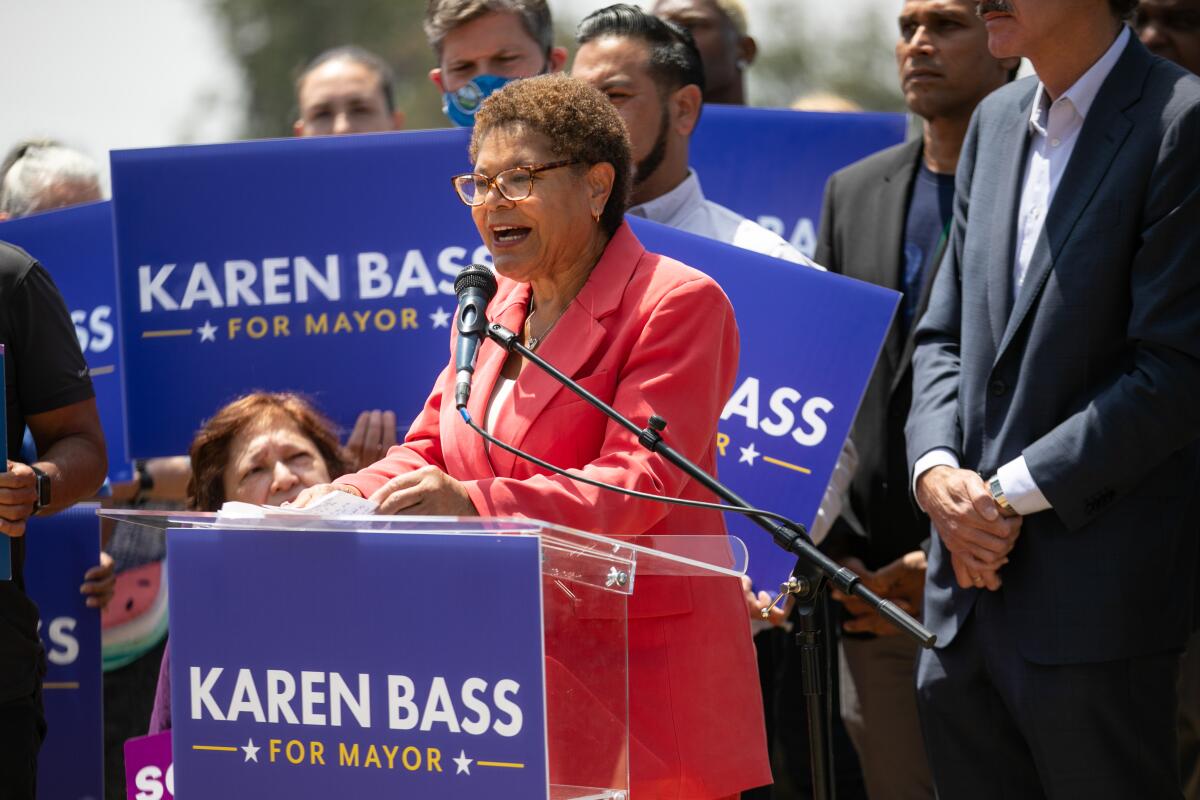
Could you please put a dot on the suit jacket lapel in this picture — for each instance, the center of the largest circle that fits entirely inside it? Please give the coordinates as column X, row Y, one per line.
column 575, row 339
column 1013, row 140
column 893, row 196
column 896, row 196
column 1104, row 131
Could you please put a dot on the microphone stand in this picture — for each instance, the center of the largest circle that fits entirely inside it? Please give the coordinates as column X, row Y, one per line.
column 813, row 571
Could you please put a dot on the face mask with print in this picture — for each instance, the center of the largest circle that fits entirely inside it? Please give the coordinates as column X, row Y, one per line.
column 461, row 104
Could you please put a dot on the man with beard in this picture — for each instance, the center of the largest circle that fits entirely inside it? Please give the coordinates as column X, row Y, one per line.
column 1054, row 433
column 907, row 192
column 652, row 73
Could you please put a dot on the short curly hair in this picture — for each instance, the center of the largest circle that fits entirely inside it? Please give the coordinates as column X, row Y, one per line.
column 211, row 448
column 579, row 121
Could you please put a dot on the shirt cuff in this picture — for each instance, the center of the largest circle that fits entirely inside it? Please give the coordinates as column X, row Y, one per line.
column 937, row 457
column 1020, row 489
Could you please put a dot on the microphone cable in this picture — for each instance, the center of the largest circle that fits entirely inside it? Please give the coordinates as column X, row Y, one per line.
column 750, row 512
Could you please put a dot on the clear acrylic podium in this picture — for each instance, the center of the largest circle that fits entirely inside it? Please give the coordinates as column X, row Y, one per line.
column 586, row 582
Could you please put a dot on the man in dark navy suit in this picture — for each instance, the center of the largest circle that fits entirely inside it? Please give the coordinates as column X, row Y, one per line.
column 1055, row 434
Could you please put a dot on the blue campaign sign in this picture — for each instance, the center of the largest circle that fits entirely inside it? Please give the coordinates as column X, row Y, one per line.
column 810, row 340
column 59, row 550
column 316, row 665
column 75, row 245
column 771, row 165
column 321, row 265
column 326, row 266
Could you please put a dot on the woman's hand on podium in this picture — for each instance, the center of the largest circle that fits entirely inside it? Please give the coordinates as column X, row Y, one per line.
column 425, row 492
column 312, row 493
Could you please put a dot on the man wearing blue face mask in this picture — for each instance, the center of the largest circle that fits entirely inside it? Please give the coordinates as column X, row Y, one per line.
column 483, row 44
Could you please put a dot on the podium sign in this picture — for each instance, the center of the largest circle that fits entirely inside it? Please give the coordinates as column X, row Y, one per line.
column 331, row 664
column 318, row 657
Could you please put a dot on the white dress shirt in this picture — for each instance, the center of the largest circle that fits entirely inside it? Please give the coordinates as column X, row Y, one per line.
column 686, row 208
column 1053, row 129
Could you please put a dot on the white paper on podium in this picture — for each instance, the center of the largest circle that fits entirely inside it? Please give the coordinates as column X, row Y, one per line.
column 333, row 504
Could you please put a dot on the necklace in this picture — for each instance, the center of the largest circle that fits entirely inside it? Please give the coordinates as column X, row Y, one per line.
column 532, row 342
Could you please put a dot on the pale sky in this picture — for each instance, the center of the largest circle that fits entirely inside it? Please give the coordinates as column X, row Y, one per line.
column 146, row 73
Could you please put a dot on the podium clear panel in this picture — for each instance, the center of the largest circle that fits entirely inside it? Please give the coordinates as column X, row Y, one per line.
column 586, row 582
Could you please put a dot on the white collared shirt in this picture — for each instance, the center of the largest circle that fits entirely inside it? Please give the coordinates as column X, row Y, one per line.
column 686, row 208
column 1054, row 129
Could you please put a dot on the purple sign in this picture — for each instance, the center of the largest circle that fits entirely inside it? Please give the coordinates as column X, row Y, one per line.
column 75, row 245
column 783, row 161
column 59, row 549
column 340, row 664
column 149, row 774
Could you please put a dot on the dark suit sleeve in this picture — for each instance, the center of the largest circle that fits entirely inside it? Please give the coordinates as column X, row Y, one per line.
column 1150, row 411
column 826, row 254
column 933, row 419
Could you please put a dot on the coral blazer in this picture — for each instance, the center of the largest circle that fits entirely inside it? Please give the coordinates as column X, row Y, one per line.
column 650, row 336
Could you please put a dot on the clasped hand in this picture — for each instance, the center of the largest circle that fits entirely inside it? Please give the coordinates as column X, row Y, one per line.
column 969, row 523
column 902, row 582
column 423, row 492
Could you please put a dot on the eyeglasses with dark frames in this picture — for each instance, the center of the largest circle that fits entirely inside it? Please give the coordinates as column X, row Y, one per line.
column 515, row 183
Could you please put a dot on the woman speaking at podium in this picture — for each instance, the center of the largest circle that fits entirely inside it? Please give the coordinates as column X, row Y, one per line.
column 551, row 180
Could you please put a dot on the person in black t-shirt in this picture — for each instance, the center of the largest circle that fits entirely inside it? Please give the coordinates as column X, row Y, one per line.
column 885, row 220
column 48, row 389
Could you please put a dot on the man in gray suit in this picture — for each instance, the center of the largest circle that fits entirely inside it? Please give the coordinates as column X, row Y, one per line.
column 1060, row 357
column 945, row 70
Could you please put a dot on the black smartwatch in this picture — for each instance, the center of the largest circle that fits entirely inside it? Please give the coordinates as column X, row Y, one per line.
column 41, row 484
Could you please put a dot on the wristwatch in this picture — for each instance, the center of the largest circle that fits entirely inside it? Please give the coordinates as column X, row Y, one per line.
column 997, row 490
column 41, row 484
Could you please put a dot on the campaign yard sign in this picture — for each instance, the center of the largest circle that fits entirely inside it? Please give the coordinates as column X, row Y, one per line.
column 149, row 774
column 815, row 339
column 75, row 245
column 327, row 266
column 771, row 165
column 340, row 664
column 59, row 550
column 323, row 265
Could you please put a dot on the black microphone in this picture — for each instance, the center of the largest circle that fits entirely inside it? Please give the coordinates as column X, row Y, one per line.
column 475, row 287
